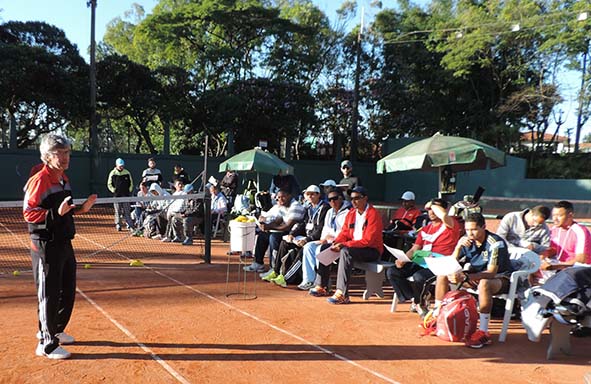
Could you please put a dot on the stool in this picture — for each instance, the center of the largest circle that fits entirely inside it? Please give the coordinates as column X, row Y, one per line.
column 242, row 293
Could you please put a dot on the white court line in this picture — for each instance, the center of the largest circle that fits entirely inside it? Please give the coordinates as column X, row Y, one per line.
column 300, row 339
column 146, row 349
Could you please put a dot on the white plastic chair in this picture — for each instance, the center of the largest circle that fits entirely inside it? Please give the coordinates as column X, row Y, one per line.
column 530, row 263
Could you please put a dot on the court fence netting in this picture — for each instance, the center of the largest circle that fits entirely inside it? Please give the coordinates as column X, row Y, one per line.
column 98, row 240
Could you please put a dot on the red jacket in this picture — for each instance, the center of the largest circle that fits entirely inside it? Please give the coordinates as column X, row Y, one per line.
column 372, row 231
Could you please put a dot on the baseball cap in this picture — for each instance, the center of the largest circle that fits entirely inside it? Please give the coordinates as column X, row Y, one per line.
column 119, row 162
column 312, row 189
column 329, row 183
column 359, row 189
column 346, row 163
column 408, row 195
column 188, row 188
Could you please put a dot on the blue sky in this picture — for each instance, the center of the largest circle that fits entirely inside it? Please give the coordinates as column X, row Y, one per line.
column 73, row 16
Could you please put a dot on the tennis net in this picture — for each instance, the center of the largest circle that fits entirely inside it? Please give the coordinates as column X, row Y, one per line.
column 99, row 240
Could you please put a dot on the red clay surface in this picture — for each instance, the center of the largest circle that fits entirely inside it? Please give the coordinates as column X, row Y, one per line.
column 170, row 322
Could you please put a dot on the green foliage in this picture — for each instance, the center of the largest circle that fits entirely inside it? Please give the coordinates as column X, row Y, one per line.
column 43, row 80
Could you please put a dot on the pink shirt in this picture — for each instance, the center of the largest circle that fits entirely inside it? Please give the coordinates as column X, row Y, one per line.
column 571, row 242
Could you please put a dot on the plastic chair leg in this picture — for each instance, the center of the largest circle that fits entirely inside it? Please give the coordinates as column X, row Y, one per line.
column 394, row 302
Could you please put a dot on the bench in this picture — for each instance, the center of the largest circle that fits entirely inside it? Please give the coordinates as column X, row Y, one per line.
column 374, row 277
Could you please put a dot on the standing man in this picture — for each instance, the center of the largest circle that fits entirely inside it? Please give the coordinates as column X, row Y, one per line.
column 152, row 174
column 120, row 184
column 48, row 209
column 360, row 239
column 348, row 178
column 485, row 259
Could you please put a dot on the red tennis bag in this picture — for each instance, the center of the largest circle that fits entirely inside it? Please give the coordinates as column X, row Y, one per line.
column 458, row 317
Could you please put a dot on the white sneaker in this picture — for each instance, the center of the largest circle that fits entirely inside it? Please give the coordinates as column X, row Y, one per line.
column 157, row 237
column 166, row 240
column 63, row 338
column 57, row 354
column 254, row 267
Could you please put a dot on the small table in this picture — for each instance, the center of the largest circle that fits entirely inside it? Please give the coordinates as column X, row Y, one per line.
column 244, row 258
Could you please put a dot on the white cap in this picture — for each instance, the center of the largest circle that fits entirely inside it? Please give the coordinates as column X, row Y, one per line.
column 329, row 183
column 312, row 189
column 408, row 195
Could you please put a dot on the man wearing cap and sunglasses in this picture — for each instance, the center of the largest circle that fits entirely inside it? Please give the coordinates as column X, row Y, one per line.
column 351, row 180
column 360, row 239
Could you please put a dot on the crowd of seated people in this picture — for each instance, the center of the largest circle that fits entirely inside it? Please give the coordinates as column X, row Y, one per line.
column 342, row 223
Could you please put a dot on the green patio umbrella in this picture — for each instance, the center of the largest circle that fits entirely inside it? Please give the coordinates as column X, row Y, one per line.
column 256, row 160
column 447, row 155
column 438, row 151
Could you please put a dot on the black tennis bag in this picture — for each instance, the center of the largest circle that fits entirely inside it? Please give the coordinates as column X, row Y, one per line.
column 291, row 266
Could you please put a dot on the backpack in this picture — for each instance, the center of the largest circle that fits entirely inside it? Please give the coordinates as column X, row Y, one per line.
column 291, row 266
column 263, row 200
column 457, row 317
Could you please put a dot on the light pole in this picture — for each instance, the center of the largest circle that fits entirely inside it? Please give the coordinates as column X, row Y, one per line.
column 93, row 140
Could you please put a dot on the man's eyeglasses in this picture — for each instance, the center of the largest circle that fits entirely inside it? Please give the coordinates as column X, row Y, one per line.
column 334, row 198
column 355, row 198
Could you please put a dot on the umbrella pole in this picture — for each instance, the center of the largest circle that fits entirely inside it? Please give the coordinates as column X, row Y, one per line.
column 258, row 182
column 439, row 194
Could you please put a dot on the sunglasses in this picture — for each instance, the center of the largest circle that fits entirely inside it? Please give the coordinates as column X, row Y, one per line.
column 334, row 198
column 357, row 197
column 345, row 167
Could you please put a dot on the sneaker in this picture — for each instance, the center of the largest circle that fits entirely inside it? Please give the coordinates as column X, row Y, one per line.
column 166, row 240
column 306, row 286
column 479, row 339
column 338, row 299
column 318, row 292
column 254, row 267
column 413, row 308
column 264, row 274
column 118, row 227
column 157, row 237
column 62, row 337
column 177, row 240
column 280, row 281
column 187, row 242
column 270, row 275
column 57, row 354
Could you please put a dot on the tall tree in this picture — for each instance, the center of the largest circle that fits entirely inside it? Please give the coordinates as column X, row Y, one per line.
column 43, row 80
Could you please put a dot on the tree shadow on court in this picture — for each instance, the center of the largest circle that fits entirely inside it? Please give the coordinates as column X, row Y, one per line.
column 497, row 353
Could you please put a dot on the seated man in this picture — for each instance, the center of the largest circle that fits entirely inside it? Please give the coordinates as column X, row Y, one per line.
column 486, row 264
column 273, row 225
column 570, row 242
column 440, row 236
column 404, row 218
column 155, row 221
column 526, row 229
column 219, row 203
column 301, row 233
column 333, row 222
column 191, row 214
column 360, row 239
column 174, row 222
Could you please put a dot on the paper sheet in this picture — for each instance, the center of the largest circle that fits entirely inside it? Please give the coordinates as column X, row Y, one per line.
column 327, row 256
column 398, row 253
column 443, row 266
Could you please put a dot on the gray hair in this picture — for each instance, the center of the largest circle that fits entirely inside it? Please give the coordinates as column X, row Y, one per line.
column 51, row 142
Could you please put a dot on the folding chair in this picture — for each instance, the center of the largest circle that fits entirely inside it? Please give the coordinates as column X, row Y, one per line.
column 529, row 262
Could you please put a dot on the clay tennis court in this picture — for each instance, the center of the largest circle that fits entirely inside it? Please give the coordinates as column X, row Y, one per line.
column 171, row 322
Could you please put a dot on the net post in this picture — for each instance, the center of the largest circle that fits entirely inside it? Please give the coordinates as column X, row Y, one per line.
column 207, row 220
